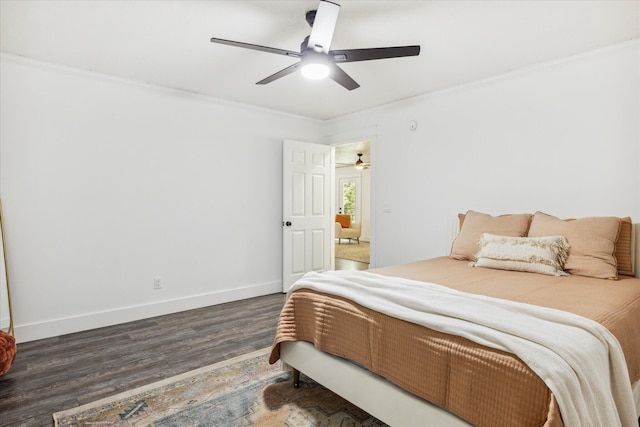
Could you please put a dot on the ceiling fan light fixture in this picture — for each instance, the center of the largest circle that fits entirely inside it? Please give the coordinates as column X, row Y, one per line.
column 315, row 71
column 315, row 66
column 359, row 163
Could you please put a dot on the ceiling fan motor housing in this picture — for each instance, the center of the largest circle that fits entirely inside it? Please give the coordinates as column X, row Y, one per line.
column 310, row 17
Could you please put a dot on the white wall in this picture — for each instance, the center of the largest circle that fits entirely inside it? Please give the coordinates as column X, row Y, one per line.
column 562, row 138
column 366, row 205
column 107, row 184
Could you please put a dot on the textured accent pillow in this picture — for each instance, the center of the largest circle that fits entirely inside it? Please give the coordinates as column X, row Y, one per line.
column 465, row 245
column 344, row 220
column 623, row 248
column 592, row 241
column 545, row 255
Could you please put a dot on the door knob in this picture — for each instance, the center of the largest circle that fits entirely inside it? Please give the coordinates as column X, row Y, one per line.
column 288, row 223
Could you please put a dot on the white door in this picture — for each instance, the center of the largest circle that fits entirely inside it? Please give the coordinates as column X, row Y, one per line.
column 306, row 224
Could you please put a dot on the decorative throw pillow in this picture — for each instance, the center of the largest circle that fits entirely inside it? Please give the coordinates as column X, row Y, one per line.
column 465, row 245
column 545, row 255
column 592, row 241
column 344, row 220
column 623, row 248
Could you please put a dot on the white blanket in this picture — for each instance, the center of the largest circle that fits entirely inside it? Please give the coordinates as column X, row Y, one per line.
column 578, row 359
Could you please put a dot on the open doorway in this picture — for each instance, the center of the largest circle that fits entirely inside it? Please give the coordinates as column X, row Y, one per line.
column 353, row 206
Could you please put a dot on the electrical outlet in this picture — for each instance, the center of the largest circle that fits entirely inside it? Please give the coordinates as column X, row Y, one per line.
column 157, row 283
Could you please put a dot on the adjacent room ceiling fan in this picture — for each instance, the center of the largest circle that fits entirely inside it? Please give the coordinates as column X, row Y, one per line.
column 316, row 60
column 359, row 164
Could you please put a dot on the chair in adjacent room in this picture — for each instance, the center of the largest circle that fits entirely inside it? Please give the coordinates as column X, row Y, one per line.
column 345, row 229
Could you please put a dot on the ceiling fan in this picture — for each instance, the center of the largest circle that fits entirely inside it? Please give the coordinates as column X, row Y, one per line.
column 359, row 164
column 316, row 60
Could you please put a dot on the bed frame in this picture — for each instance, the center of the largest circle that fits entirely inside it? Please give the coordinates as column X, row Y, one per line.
column 370, row 392
column 379, row 397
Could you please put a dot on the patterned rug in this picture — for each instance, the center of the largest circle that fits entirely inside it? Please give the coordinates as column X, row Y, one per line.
column 353, row 251
column 243, row 391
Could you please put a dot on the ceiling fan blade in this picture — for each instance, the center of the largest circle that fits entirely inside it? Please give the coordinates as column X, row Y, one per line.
column 284, row 72
column 353, row 55
column 256, row 47
column 343, row 78
column 323, row 26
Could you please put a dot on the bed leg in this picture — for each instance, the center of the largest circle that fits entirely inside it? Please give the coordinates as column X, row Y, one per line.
column 296, row 378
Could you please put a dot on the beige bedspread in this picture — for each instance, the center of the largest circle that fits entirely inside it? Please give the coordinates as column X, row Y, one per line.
column 484, row 386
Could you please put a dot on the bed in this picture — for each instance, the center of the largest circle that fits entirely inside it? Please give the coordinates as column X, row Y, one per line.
column 408, row 373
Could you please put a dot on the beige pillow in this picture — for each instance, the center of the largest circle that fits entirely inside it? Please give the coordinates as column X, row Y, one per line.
column 591, row 240
column 545, row 255
column 465, row 245
column 623, row 248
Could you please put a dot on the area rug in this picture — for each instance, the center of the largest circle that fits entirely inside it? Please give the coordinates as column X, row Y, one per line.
column 353, row 251
column 244, row 391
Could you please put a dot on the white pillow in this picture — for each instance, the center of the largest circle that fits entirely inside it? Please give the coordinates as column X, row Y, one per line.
column 545, row 255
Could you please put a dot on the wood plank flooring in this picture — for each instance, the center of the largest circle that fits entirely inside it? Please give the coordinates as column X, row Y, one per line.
column 62, row 372
column 347, row 264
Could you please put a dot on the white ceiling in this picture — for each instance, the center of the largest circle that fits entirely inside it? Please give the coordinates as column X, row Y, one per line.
column 167, row 43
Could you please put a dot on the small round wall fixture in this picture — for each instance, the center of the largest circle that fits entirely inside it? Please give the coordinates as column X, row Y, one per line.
column 413, row 125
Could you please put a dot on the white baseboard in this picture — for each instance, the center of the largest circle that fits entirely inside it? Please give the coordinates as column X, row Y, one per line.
column 67, row 325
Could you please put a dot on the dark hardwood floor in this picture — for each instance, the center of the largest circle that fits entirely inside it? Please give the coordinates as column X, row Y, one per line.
column 62, row 372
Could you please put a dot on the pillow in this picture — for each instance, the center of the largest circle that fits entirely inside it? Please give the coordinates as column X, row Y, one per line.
column 545, row 255
column 461, row 219
column 344, row 220
column 623, row 248
column 592, row 241
column 465, row 245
